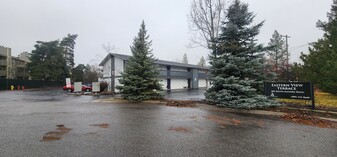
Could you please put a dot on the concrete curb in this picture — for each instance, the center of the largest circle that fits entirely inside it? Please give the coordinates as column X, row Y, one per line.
column 120, row 100
column 329, row 119
column 318, row 111
column 259, row 112
column 271, row 113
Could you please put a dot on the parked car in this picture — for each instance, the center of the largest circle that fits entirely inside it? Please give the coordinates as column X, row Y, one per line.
column 84, row 88
column 87, row 84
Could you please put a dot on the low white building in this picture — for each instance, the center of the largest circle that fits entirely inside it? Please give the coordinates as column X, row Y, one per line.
column 173, row 75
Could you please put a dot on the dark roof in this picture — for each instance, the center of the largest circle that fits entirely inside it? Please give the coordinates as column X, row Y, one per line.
column 160, row 62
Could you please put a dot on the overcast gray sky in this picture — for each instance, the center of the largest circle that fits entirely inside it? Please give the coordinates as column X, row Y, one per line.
column 23, row 22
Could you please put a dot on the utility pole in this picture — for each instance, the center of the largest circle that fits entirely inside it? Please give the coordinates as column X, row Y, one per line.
column 287, row 49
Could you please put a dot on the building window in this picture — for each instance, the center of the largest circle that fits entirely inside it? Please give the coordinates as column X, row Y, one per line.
column 3, row 68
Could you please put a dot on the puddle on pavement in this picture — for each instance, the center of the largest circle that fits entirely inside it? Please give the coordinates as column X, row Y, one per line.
column 181, row 103
column 101, row 125
column 56, row 135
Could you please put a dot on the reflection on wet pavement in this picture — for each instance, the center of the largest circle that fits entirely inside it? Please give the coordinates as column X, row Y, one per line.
column 88, row 128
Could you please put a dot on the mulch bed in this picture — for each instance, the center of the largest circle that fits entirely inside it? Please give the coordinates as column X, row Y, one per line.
column 307, row 111
column 302, row 118
column 306, row 117
column 181, row 103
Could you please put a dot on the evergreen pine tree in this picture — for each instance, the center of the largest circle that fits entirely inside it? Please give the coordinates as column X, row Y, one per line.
column 185, row 59
column 68, row 45
column 320, row 65
column 78, row 73
column 237, row 64
column 277, row 56
column 139, row 80
column 47, row 62
column 202, row 62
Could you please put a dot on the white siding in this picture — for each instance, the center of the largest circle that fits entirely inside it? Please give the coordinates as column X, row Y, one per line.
column 202, row 83
column 163, row 82
column 107, row 68
column 117, row 83
column 179, row 83
column 107, row 73
column 119, row 67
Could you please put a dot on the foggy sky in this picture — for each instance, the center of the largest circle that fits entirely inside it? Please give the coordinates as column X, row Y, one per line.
column 23, row 22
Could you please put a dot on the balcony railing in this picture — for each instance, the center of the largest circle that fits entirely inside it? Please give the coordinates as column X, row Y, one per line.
column 3, row 62
column 203, row 75
column 175, row 74
column 22, row 75
column 162, row 73
column 181, row 74
column 21, row 65
column 3, row 73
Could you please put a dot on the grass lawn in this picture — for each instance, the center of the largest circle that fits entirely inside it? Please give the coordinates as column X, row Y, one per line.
column 322, row 100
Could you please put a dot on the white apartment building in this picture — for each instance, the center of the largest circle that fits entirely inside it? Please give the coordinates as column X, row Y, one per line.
column 173, row 75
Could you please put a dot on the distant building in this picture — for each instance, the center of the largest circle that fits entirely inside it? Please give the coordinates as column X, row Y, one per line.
column 173, row 75
column 12, row 67
column 25, row 56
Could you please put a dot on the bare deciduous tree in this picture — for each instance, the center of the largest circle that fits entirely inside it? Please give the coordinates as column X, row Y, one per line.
column 204, row 22
column 109, row 48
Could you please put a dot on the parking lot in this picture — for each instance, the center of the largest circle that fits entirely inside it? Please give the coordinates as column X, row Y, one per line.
column 50, row 122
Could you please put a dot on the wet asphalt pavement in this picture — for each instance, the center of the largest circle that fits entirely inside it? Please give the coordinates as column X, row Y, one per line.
column 147, row 129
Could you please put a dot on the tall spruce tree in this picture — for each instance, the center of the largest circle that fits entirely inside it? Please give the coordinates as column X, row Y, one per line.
column 202, row 62
column 237, row 64
column 68, row 45
column 277, row 56
column 52, row 60
column 185, row 59
column 139, row 80
column 47, row 62
column 78, row 73
column 320, row 65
